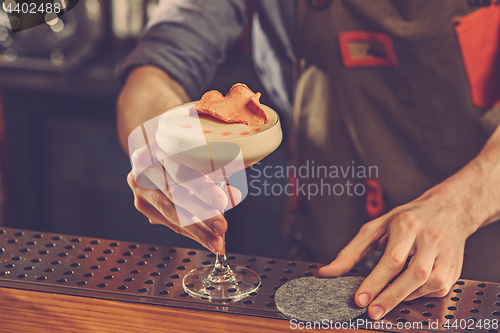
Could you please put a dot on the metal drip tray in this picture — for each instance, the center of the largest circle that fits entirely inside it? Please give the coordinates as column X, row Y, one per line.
column 130, row 271
column 469, row 306
column 143, row 273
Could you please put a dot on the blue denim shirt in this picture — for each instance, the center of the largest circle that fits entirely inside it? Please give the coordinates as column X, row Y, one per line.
column 188, row 39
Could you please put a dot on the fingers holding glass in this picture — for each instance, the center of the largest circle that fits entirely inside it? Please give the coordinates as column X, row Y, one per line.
column 191, row 179
column 155, row 205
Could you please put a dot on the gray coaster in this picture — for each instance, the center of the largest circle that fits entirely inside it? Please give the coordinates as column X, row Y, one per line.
column 315, row 299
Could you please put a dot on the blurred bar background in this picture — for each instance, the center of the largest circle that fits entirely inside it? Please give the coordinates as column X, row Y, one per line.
column 3, row 169
column 62, row 169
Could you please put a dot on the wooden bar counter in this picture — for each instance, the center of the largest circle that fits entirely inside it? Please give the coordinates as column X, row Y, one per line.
column 32, row 311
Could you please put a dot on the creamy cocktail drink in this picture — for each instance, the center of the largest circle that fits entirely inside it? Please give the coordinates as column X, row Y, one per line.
column 206, row 144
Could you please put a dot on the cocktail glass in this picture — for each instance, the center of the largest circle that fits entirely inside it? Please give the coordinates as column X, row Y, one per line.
column 217, row 150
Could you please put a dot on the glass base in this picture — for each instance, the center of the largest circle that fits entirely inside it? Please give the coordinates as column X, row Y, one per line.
column 243, row 282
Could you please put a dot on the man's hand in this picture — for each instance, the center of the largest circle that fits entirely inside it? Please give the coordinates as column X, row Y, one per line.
column 167, row 192
column 431, row 231
column 158, row 180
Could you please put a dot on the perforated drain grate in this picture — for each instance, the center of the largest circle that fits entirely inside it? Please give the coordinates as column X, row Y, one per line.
column 129, row 271
column 153, row 274
column 469, row 306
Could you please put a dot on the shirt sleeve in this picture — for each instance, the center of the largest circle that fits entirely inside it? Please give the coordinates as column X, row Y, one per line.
column 188, row 39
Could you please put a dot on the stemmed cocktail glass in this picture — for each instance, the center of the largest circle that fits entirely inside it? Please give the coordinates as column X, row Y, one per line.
column 217, row 150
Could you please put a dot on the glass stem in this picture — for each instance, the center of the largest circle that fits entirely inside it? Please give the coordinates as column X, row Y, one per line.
column 222, row 273
column 221, row 259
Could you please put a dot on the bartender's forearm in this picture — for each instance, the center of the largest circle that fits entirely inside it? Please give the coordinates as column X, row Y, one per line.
column 148, row 93
column 476, row 187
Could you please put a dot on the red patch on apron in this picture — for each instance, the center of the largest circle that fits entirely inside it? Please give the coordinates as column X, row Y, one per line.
column 366, row 49
column 478, row 35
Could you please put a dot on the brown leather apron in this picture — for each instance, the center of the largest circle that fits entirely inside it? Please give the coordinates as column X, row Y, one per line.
column 406, row 110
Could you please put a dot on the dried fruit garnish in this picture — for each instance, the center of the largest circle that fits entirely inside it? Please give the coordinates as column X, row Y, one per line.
column 240, row 105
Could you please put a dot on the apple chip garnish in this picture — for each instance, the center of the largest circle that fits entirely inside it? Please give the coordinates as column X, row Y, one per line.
column 240, row 105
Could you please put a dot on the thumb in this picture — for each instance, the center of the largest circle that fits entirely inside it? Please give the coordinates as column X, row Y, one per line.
column 340, row 266
column 350, row 255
